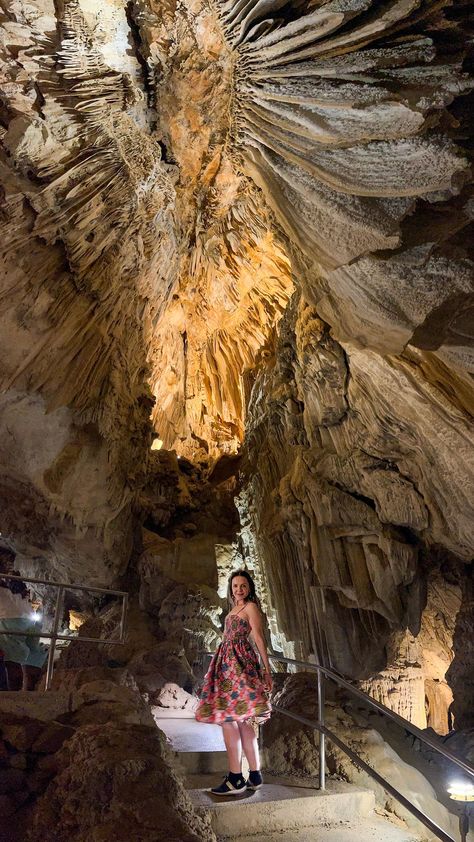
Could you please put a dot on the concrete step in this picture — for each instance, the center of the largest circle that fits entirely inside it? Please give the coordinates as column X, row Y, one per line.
column 279, row 807
column 202, row 762
column 197, row 764
column 366, row 830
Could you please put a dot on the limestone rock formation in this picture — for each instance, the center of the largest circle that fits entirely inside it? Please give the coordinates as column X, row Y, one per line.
column 92, row 766
column 347, row 514
column 415, row 684
column 291, row 749
column 241, row 230
column 460, row 674
column 84, row 202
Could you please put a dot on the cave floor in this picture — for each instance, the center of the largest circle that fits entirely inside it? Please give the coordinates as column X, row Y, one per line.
column 374, row 830
column 185, row 734
column 342, row 814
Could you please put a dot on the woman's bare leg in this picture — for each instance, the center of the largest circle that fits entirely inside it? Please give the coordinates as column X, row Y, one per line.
column 233, row 746
column 30, row 677
column 250, row 745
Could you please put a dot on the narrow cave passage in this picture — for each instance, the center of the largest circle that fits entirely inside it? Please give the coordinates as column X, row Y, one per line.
column 235, row 335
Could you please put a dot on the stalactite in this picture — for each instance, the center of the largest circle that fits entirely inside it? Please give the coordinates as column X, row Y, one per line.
column 309, row 146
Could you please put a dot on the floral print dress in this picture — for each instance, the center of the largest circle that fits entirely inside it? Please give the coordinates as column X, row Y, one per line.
column 233, row 689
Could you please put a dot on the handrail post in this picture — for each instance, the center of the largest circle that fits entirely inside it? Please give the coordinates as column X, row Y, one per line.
column 123, row 615
column 322, row 736
column 464, row 823
column 52, row 648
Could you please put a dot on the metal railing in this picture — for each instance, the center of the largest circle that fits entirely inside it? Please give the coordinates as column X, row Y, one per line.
column 324, row 673
column 54, row 635
column 324, row 731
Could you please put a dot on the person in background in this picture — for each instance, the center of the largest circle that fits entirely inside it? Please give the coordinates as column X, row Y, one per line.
column 23, row 657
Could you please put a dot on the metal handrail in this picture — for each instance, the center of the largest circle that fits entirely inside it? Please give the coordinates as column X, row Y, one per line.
column 325, row 672
column 54, row 635
column 358, row 761
column 324, row 731
column 408, row 726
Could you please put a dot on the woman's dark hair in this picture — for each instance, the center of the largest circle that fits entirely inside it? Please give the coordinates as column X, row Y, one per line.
column 18, row 587
column 252, row 597
column 15, row 586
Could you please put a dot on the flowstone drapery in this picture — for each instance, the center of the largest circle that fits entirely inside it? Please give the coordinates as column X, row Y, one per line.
column 243, row 227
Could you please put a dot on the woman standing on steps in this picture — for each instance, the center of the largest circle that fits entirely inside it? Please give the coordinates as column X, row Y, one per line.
column 235, row 693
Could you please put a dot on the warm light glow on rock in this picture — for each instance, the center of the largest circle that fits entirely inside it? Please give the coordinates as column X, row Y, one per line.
column 157, row 444
column 76, row 619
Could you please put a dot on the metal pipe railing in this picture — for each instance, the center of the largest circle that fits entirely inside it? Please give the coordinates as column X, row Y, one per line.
column 324, row 731
column 322, row 736
column 66, row 585
column 54, row 634
column 390, row 714
column 320, row 726
column 358, row 761
column 57, row 618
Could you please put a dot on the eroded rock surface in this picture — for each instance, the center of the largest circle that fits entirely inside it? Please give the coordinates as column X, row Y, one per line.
column 120, row 777
column 342, row 498
column 227, row 223
column 291, row 749
column 94, row 766
column 415, row 684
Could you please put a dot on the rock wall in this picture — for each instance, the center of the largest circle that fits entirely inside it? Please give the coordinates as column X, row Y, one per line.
column 354, row 491
column 460, row 675
column 171, row 173
column 90, row 764
column 187, row 550
column 415, row 684
column 138, row 267
column 84, row 202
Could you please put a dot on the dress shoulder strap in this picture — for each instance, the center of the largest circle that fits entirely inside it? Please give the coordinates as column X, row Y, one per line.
column 234, row 614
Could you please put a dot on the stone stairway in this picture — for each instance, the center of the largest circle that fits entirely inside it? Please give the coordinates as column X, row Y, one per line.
column 287, row 810
column 280, row 806
column 284, row 810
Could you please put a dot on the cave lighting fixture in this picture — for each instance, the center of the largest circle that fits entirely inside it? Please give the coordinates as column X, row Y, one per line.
column 156, row 444
column 462, row 791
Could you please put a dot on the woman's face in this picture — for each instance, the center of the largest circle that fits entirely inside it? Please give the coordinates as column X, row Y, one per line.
column 240, row 588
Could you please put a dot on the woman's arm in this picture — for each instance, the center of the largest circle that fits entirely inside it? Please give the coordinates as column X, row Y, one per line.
column 255, row 620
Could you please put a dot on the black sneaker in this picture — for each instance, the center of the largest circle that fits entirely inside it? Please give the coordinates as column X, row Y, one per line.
column 228, row 788
column 255, row 780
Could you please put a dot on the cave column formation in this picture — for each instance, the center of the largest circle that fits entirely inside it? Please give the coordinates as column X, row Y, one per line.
column 236, row 323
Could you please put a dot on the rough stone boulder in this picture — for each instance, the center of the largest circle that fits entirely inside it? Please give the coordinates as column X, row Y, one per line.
column 171, row 696
column 114, row 784
column 93, row 767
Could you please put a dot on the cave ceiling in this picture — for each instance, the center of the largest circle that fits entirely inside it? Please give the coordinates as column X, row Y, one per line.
column 172, row 172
